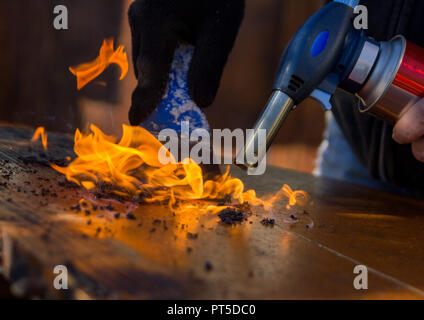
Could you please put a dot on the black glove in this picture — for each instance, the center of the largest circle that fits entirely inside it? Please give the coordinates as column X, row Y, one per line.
column 157, row 26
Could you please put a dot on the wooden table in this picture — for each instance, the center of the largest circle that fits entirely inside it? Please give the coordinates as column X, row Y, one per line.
column 160, row 255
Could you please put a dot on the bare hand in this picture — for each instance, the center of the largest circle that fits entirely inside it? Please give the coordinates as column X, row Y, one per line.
column 410, row 129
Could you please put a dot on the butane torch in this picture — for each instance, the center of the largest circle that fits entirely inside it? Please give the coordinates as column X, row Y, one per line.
column 327, row 53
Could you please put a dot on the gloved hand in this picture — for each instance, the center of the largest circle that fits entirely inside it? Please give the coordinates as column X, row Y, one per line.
column 410, row 129
column 157, row 26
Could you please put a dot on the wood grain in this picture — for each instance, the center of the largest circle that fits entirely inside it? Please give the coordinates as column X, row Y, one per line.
column 156, row 255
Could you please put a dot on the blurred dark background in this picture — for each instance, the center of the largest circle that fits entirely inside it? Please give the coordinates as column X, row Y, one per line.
column 36, row 87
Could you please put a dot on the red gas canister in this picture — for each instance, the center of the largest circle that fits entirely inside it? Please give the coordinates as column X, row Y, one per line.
column 410, row 76
column 396, row 81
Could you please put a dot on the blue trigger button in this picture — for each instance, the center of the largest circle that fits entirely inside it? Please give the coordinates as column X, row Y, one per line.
column 320, row 43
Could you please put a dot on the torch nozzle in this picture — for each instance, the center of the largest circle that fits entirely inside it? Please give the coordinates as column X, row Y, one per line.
column 261, row 137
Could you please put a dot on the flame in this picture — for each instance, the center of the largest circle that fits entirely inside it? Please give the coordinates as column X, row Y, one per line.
column 87, row 72
column 131, row 168
column 40, row 132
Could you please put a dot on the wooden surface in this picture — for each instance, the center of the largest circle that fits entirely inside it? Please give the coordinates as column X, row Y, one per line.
column 160, row 255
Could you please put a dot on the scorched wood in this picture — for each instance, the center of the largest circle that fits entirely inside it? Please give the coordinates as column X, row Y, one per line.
column 118, row 249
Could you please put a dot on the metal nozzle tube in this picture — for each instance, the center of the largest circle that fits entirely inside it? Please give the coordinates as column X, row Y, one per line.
column 271, row 120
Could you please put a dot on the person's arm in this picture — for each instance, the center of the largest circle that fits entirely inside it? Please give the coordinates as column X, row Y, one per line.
column 410, row 129
column 157, row 26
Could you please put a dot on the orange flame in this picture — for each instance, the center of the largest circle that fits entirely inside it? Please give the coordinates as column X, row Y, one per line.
column 131, row 167
column 89, row 71
column 40, row 132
